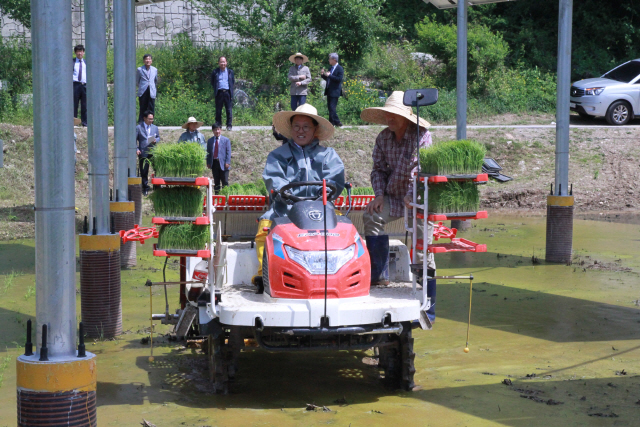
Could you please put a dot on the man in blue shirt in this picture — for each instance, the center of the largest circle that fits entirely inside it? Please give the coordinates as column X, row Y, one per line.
column 223, row 81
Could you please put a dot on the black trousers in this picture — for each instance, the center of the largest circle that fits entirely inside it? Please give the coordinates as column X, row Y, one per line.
column 80, row 95
column 147, row 103
column 220, row 176
column 223, row 96
column 143, row 164
column 332, row 105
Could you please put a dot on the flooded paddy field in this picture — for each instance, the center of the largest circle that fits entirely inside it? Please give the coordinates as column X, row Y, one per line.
column 551, row 345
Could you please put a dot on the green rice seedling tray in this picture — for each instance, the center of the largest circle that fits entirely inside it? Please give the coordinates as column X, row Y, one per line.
column 200, row 181
column 480, row 178
column 204, row 253
column 199, row 220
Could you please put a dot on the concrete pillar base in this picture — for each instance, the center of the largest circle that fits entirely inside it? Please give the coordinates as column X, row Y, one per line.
column 135, row 195
column 559, row 229
column 123, row 218
column 60, row 392
column 100, row 285
column 460, row 225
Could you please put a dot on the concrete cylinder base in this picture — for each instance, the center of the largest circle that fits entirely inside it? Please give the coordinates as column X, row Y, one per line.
column 460, row 225
column 559, row 229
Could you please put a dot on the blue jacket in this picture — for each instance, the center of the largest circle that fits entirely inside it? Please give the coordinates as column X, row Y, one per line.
column 214, row 81
column 334, row 82
column 143, row 81
column 141, row 138
column 224, row 152
column 291, row 163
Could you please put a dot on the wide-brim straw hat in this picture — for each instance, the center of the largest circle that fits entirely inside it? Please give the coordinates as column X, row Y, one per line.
column 395, row 106
column 292, row 58
column 77, row 121
column 282, row 122
column 192, row 120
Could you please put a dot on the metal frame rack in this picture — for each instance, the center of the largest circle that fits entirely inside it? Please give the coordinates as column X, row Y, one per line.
column 421, row 212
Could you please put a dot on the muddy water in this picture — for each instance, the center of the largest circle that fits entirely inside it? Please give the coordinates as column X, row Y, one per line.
column 573, row 327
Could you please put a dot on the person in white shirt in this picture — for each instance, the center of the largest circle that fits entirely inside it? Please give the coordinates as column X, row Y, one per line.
column 146, row 80
column 80, row 84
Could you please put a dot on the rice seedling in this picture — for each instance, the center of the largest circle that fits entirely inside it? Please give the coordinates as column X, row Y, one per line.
column 183, row 236
column 252, row 189
column 452, row 158
column 178, row 201
column 359, row 191
column 452, row 197
column 179, row 159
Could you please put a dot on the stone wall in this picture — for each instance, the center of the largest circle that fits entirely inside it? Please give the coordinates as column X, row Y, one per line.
column 156, row 25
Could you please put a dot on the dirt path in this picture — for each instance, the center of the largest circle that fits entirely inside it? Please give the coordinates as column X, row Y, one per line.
column 603, row 166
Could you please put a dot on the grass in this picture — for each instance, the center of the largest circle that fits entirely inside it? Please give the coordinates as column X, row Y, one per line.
column 179, row 159
column 4, row 363
column 178, row 201
column 453, row 196
column 251, row 189
column 8, row 281
column 452, row 158
column 359, row 191
column 183, row 236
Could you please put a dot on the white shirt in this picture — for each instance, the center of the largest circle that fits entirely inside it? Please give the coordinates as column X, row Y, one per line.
column 76, row 70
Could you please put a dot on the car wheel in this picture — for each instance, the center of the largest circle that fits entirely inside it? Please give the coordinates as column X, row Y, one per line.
column 619, row 113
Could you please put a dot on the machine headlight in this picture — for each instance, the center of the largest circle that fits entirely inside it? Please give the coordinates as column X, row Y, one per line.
column 593, row 91
column 313, row 261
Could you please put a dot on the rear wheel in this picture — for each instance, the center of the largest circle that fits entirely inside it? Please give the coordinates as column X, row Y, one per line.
column 218, row 354
column 397, row 359
column 619, row 113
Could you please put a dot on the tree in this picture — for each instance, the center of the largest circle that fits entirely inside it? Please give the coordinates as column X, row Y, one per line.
column 18, row 10
column 286, row 26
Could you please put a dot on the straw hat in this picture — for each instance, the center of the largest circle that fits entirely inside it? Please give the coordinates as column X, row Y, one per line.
column 192, row 120
column 76, row 121
column 395, row 106
column 282, row 122
column 292, row 58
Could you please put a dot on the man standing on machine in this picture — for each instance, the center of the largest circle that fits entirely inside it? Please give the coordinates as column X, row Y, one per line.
column 301, row 158
column 394, row 161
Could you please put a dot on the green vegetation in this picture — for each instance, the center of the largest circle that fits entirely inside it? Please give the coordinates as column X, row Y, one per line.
column 185, row 159
column 454, row 196
column 252, row 189
column 178, row 201
column 359, row 191
column 183, row 236
column 452, row 158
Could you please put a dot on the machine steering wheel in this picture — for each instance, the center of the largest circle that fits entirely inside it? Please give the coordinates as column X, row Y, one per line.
column 286, row 195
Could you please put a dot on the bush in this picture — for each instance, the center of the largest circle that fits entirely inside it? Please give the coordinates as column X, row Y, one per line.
column 393, row 66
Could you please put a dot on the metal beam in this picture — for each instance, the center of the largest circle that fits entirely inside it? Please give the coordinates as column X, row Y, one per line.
column 121, row 147
column 132, row 118
column 54, row 175
column 97, row 115
column 461, row 81
column 565, row 19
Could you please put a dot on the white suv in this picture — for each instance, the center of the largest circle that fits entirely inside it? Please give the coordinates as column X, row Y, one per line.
column 615, row 95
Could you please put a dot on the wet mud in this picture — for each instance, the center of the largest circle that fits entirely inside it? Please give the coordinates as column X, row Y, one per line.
column 551, row 344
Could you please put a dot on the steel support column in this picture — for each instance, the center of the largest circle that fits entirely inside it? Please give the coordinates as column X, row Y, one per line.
column 120, row 111
column 461, row 80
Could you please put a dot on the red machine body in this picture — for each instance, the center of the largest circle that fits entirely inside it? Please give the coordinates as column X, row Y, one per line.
column 289, row 279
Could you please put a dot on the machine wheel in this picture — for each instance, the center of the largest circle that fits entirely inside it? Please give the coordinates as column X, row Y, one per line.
column 397, row 360
column 218, row 364
column 619, row 113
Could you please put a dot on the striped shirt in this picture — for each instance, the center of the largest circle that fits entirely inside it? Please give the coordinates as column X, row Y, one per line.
column 393, row 164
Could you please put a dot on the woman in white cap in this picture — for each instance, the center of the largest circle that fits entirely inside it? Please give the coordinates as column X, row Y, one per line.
column 394, row 161
column 192, row 134
column 301, row 158
column 300, row 77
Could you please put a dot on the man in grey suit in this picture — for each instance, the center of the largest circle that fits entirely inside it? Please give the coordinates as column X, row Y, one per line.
column 146, row 80
column 219, row 158
column 147, row 135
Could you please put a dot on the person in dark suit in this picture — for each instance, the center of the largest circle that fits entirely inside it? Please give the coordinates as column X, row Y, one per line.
column 146, row 80
column 147, row 136
column 333, row 90
column 80, row 84
column 219, row 158
column 223, row 81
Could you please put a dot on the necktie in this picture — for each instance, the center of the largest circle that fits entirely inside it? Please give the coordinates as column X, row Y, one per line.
column 80, row 72
column 215, row 149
